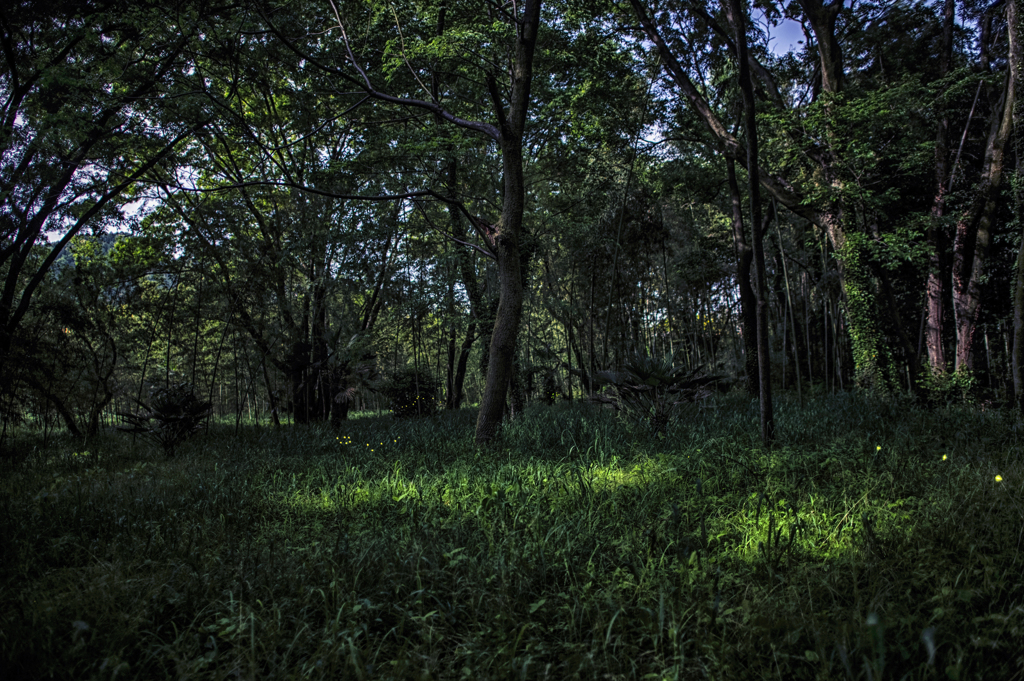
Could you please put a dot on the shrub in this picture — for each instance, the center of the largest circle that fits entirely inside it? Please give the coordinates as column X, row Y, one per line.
column 173, row 415
column 411, row 392
column 650, row 388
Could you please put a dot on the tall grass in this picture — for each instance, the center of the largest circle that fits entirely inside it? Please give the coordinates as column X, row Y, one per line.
column 875, row 541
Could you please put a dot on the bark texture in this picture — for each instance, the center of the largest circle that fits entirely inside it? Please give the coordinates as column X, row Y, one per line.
column 504, row 236
column 1015, row 32
column 748, row 301
column 934, row 289
column 974, row 230
column 737, row 17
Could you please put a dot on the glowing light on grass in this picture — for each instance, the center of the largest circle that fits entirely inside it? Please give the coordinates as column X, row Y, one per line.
column 612, row 475
column 944, row 457
column 999, row 478
column 304, row 501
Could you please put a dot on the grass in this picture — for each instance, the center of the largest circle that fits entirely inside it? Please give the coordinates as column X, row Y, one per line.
column 875, row 542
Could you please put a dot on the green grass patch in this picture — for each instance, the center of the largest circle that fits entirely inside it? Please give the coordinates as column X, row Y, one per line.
column 878, row 540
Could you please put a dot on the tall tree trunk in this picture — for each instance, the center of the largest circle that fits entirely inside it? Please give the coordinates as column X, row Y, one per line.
column 476, row 305
column 323, row 385
column 502, row 351
column 271, row 396
column 748, row 301
column 1015, row 33
column 517, row 388
column 458, row 390
column 298, row 376
column 585, row 377
column 860, row 300
column 974, row 230
column 737, row 18
column 936, row 238
column 370, row 310
column 450, row 361
column 469, row 280
column 504, row 236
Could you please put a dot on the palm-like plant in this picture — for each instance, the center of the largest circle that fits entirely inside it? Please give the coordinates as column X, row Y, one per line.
column 649, row 388
column 173, row 415
column 353, row 370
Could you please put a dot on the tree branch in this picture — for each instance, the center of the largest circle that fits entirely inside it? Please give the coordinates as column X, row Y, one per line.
column 366, row 86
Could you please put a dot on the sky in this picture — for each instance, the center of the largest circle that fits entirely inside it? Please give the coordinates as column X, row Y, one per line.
column 784, row 37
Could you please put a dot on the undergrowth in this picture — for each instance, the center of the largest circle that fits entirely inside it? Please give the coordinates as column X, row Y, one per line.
column 876, row 541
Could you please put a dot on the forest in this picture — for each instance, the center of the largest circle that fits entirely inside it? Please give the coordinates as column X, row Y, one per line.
column 471, row 339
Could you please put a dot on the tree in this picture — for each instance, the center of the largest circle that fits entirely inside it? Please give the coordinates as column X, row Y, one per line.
column 1015, row 32
column 736, row 14
column 510, row 100
column 72, row 145
column 975, row 225
column 934, row 288
column 834, row 163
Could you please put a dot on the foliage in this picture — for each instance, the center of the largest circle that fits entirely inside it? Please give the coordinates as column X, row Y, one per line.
column 649, row 388
column 870, row 350
column 949, row 387
column 173, row 415
column 411, row 392
column 578, row 545
column 94, row 96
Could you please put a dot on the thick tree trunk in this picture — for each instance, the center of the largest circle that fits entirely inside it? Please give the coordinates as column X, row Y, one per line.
column 871, row 354
column 517, row 389
column 737, row 18
column 822, row 19
column 504, row 237
column 936, row 239
column 96, row 412
column 1015, row 33
column 860, row 300
column 449, row 381
column 974, row 230
column 934, row 308
column 748, row 301
column 502, row 351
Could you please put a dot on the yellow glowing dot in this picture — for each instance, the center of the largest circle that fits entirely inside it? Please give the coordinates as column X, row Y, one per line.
column 999, row 478
column 878, row 448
